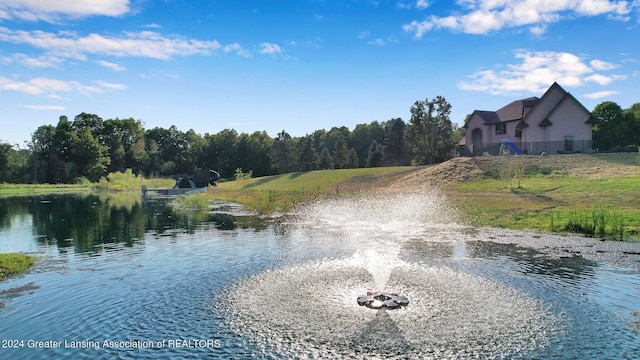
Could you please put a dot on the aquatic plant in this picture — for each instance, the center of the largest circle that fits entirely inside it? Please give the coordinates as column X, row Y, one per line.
column 11, row 264
column 600, row 220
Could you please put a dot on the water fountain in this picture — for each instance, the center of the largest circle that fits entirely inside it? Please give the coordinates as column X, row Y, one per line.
column 290, row 289
column 311, row 308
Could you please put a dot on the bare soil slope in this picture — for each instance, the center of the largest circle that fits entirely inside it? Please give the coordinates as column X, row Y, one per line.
column 463, row 169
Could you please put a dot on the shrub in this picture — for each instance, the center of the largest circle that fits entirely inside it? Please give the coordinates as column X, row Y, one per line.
column 239, row 175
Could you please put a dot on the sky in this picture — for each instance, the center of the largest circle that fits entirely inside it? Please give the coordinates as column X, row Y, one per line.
column 303, row 65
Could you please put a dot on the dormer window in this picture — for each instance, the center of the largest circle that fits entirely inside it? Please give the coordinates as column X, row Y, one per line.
column 501, row 128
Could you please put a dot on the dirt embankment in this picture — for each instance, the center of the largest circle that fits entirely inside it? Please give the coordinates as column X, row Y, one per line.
column 463, row 169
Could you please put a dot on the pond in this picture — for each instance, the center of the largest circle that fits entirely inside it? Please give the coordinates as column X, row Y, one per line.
column 131, row 277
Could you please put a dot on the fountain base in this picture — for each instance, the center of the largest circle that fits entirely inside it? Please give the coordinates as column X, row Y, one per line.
column 389, row 301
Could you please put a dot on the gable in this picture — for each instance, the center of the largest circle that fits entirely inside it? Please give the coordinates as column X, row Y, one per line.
column 570, row 109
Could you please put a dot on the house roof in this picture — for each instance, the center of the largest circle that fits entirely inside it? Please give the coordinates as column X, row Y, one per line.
column 489, row 117
column 519, row 109
column 516, row 110
column 545, row 122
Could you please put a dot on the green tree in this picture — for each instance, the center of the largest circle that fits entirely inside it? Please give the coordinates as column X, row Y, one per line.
column 167, row 145
column 429, row 133
column 326, row 160
column 362, row 136
column 374, row 159
column 634, row 117
column 123, row 137
column 14, row 164
column 93, row 122
column 139, row 156
column 41, row 147
column 62, row 169
column 340, row 153
column 307, row 155
column 283, row 153
column 611, row 126
column 395, row 147
column 226, row 152
column 90, row 158
column 5, row 156
column 353, row 161
column 253, row 153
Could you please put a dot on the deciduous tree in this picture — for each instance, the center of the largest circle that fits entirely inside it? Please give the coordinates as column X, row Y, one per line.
column 429, row 133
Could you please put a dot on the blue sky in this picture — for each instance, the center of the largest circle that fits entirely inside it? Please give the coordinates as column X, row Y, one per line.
column 303, row 65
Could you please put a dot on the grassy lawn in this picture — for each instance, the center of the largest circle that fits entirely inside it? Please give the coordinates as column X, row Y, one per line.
column 281, row 192
column 553, row 203
column 35, row 189
column 539, row 199
column 11, row 264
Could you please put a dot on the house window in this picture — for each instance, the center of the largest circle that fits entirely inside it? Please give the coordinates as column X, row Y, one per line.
column 518, row 132
column 501, row 128
column 568, row 143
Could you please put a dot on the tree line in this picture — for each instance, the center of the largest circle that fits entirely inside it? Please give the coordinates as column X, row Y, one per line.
column 88, row 147
column 616, row 129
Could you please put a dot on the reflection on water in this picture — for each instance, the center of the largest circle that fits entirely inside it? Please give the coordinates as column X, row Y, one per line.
column 229, row 286
column 86, row 222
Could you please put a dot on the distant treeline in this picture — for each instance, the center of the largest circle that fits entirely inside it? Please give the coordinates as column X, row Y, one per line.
column 87, row 148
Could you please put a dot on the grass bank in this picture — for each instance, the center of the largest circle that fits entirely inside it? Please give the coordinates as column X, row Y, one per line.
column 36, row 189
column 600, row 199
column 12, row 264
column 588, row 194
column 279, row 193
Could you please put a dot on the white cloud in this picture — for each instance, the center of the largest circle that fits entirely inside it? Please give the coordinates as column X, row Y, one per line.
column 537, row 70
column 602, row 65
column 112, row 66
column 34, row 62
column 538, row 30
column 422, row 4
column 109, row 85
column 237, row 49
column 270, row 48
column 600, row 94
column 601, row 79
column 146, row 44
column 52, row 88
column 46, row 107
column 53, row 11
column 418, row 4
column 377, row 42
column 485, row 16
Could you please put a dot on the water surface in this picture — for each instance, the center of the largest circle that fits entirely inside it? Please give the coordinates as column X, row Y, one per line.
column 137, row 279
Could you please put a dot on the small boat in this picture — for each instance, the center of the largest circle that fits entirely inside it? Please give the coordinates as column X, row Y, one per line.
column 172, row 191
column 186, row 186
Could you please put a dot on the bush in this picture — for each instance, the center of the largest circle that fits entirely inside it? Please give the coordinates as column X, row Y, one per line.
column 239, row 175
column 120, row 181
column 81, row 180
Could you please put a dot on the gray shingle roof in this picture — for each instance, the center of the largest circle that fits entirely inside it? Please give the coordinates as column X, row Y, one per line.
column 516, row 110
